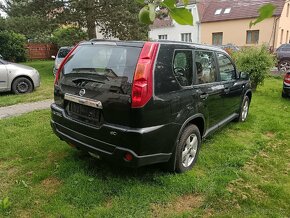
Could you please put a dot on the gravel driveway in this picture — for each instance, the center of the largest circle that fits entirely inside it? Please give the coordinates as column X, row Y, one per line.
column 18, row 109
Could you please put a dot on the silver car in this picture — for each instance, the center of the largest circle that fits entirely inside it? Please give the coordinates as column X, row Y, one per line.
column 18, row 78
column 62, row 52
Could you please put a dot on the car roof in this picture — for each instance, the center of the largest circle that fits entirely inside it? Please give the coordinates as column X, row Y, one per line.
column 141, row 43
column 66, row 47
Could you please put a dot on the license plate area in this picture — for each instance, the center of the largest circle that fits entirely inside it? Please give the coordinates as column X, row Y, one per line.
column 84, row 113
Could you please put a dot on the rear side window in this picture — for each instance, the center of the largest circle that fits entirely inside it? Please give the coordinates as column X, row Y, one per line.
column 164, row 80
column 226, row 68
column 109, row 62
column 205, row 67
column 182, row 67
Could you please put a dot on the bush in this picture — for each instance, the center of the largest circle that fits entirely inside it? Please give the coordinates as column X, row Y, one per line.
column 256, row 61
column 68, row 36
column 12, row 46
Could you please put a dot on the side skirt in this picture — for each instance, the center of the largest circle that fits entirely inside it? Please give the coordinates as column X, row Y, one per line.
column 220, row 124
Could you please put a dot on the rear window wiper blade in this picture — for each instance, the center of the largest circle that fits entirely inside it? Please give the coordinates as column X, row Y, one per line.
column 78, row 80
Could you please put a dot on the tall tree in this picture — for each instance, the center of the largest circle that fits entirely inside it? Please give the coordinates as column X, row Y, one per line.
column 38, row 17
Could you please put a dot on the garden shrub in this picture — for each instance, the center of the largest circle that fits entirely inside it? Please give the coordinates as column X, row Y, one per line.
column 12, row 46
column 256, row 61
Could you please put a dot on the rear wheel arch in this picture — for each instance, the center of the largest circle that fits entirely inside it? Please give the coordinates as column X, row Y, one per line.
column 199, row 121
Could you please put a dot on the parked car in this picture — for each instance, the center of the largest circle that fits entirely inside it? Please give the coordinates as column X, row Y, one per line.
column 229, row 47
column 283, row 56
column 18, row 78
column 286, row 85
column 140, row 103
column 62, row 52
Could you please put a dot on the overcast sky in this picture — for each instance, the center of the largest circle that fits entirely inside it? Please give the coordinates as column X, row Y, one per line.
column 1, row 13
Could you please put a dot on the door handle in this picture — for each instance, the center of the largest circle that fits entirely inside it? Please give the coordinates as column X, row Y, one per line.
column 204, row 96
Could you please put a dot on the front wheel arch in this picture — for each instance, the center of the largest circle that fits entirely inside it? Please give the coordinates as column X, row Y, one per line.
column 22, row 76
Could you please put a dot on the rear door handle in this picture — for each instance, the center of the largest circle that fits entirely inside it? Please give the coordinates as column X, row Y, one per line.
column 204, row 96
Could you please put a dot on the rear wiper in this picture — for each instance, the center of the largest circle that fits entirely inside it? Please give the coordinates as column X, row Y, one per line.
column 80, row 80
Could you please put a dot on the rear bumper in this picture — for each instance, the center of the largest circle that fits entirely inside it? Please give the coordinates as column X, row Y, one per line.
column 114, row 142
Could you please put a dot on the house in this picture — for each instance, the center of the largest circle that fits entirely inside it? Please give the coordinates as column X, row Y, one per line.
column 227, row 21
column 167, row 29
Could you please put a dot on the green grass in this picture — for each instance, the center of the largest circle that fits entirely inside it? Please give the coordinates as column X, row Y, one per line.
column 242, row 171
column 45, row 91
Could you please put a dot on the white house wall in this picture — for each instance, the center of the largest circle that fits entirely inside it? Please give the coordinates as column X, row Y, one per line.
column 174, row 32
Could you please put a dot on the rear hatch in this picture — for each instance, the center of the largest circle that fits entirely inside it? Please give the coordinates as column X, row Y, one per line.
column 101, row 75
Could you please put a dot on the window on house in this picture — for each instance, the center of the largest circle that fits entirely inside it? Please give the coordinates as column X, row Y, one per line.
column 252, row 36
column 227, row 10
column 217, row 38
column 288, row 9
column 162, row 37
column 218, row 11
column 287, row 36
column 186, row 37
column 281, row 37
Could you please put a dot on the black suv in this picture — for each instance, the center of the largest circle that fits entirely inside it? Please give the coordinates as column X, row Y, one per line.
column 140, row 103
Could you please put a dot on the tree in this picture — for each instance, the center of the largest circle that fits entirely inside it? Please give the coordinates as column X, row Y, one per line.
column 36, row 18
column 125, row 24
column 257, row 61
column 68, row 36
column 12, row 46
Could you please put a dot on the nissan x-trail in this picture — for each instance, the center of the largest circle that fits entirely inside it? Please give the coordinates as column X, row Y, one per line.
column 140, row 103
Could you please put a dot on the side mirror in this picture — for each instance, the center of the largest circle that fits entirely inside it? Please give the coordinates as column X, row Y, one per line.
column 244, row 76
column 53, row 57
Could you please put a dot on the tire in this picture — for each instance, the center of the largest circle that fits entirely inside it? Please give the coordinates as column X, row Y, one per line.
column 187, row 149
column 284, row 66
column 22, row 85
column 244, row 110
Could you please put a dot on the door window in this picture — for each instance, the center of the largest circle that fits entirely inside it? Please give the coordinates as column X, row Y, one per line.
column 226, row 68
column 182, row 67
column 205, row 67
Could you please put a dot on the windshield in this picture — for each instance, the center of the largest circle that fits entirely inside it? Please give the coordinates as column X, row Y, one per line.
column 107, row 61
column 63, row 52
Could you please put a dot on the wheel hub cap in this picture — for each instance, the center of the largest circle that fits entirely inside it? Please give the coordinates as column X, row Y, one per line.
column 22, row 87
column 245, row 111
column 189, row 151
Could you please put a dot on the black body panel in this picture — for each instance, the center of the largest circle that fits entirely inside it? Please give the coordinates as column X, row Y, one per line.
column 149, row 133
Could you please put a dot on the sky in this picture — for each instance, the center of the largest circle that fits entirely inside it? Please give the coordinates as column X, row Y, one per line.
column 1, row 13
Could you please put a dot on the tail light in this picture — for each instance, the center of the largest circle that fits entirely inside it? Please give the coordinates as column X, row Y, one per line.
column 57, row 75
column 142, row 89
column 287, row 79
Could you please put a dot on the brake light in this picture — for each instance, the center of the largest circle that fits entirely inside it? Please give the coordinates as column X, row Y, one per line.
column 62, row 65
column 142, row 88
column 287, row 79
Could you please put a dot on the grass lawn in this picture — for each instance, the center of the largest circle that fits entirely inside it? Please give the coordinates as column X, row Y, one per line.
column 45, row 91
column 242, row 171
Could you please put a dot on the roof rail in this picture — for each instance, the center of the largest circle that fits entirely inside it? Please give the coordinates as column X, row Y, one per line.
column 100, row 40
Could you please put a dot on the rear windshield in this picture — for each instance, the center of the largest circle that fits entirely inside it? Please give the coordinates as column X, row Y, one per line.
column 110, row 61
column 63, row 52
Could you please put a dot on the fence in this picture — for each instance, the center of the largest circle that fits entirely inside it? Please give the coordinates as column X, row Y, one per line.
column 40, row 51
